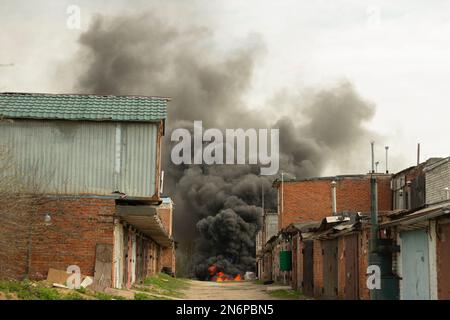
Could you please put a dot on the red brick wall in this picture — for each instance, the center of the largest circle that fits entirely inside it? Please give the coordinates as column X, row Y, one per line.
column 310, row 200
column 168, row 258
column 14, row 231
column 77, row 225
column 304, row 201
column 165, row 214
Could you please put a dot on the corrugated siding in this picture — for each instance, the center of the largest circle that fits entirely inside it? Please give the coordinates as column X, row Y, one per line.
column 65, row 157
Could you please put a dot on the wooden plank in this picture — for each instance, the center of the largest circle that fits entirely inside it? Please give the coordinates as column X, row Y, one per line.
column 60, row 276
column 103, row 266
column 57, row 276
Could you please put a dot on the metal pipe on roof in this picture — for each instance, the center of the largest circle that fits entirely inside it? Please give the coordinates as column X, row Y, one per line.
column 333, row 197
column 387, row 149
column 418, row 153
column 373, row 156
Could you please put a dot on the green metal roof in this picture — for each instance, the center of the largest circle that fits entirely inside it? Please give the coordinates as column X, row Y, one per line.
column 82, row 107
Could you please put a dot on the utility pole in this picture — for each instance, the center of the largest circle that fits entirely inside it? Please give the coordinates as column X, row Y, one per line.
column 380, row 250
column 282, row 194
column 373, row 255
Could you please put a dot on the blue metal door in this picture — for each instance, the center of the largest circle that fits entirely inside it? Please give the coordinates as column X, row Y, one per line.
column 415, row 267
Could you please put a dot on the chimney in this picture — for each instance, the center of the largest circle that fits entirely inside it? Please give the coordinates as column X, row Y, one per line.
column 333, row 197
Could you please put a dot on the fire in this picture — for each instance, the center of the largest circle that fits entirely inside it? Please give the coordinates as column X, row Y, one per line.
column 221, row 276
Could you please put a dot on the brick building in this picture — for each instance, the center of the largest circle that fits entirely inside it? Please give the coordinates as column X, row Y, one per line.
column 311, row 199
column 323, row 257
column 88, row 168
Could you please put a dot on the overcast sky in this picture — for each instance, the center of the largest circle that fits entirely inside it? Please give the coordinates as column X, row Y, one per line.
column 396, row 53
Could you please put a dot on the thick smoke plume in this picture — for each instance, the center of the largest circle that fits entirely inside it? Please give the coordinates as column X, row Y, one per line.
column 219, row 206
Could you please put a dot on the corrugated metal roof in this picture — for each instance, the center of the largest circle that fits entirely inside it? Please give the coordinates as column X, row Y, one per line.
column 82, row 107
column 301, row 227
column 145, row 219
column 430, row 212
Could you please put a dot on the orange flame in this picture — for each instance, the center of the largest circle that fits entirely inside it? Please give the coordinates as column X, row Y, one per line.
column 221, row 276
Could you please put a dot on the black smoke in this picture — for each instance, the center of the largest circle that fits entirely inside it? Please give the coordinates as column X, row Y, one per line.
column 219, row 206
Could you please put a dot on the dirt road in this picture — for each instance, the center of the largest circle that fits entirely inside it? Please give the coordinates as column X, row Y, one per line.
column 206, row 290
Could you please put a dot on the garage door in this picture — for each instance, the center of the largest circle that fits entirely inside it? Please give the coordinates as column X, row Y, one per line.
column 415, row 267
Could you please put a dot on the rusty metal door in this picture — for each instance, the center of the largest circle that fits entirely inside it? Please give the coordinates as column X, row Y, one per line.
column 139, row 264
column 444, row 262
column 330, row 268
column 351, row 267
column 308, row 268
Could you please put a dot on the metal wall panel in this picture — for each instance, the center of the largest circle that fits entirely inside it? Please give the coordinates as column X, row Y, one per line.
column 308, row 268
column 82, row 157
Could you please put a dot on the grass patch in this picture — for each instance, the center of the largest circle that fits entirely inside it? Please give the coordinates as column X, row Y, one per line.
column 105, row 296
column 82, row 290
column 165, row 285
column 145, row 296
column 74, row 296
column 285, row 294
column 258, row 281
column 27, row 290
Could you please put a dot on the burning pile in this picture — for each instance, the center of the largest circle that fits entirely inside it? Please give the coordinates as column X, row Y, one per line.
column 219, row 276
